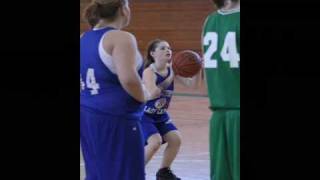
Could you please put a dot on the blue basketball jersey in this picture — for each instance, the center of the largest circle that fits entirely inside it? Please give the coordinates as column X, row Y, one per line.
column 100, row 88
column 157, row 108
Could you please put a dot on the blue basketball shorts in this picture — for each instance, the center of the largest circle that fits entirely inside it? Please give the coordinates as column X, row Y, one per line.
column 112, row 147
column 150, row 127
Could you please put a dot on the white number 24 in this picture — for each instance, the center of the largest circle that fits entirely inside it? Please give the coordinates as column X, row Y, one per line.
column 90, row 82
column 229, row 52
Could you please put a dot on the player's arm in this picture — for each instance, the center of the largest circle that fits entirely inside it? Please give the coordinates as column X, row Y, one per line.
column 149, row 80
column 124, row 53
column 193, row 82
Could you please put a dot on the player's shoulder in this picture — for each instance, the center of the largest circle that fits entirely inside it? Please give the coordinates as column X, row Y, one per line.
column 148, row 70
column 211, row 17
column 121, row 35
column 83, row 34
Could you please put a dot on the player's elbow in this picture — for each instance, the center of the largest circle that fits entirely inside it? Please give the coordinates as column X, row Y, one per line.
column 133, row 86
column 129, row 83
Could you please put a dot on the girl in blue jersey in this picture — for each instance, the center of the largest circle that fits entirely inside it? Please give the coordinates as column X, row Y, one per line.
column 111, row 95
column 157, row 126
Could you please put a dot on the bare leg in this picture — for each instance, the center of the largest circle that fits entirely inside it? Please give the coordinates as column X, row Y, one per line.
column 154, row 143
column 174, row 142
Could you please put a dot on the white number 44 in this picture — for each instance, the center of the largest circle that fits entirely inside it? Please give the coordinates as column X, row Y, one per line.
column 90, row 82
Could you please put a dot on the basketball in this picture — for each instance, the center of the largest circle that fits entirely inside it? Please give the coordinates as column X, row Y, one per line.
column 186, row 63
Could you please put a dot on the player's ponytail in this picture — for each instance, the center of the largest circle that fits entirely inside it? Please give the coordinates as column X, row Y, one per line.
column 151, row 47
column 90, row 14
column 102, row 9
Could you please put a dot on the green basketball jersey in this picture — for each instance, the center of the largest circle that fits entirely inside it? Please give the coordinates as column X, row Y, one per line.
column 221, row 48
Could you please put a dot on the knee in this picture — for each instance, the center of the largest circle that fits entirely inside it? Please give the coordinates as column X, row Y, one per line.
column 155, row 144
column 175, row 141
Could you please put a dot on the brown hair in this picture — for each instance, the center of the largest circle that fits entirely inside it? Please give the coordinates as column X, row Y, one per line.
column 221, row 3
column 102, row 9
column 151, row 47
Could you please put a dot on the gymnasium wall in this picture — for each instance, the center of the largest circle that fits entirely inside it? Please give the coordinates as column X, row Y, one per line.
column 177, row 21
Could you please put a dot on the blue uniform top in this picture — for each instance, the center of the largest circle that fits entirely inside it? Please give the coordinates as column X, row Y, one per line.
column 100, row 88
column 157, row 108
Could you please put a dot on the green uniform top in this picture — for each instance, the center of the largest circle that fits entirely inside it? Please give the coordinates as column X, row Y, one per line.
column 221, row 47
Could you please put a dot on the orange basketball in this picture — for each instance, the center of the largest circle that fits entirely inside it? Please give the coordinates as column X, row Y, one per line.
column 186, row 63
